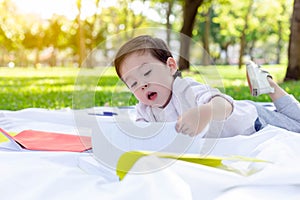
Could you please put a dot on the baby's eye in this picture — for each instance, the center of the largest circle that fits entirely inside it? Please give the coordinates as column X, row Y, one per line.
column 147, row 73
column 133, row 84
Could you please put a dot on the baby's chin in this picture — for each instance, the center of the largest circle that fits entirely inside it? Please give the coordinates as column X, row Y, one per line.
column 156, row 106
column 162, row 105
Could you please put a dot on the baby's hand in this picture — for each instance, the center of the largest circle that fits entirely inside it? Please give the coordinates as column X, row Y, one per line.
column 193, row 121
column 187, row 123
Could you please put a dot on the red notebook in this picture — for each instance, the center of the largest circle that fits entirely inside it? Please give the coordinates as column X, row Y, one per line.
column 50, row 141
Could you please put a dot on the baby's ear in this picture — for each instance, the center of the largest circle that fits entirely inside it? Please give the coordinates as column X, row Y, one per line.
column 171, row 63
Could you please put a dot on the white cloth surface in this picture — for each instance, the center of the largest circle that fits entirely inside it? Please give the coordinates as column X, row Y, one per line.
column 36, row 175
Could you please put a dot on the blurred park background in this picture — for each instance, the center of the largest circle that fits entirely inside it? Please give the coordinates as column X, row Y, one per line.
column 44, row 44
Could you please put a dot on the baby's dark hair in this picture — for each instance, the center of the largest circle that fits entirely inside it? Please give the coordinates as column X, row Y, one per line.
column 144, row 43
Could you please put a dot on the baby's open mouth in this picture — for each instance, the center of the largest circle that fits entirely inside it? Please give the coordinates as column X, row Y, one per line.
column 152, row 95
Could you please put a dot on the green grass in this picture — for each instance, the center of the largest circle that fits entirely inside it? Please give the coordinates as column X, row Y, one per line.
column 56, row 88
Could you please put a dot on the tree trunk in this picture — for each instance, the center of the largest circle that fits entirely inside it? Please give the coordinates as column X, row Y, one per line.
column 293, row 70
column 2, row 55
column 279, row 44
column 224, row 48
column 81, row 43
column 38, row 50
column 81, row 37
column 243, row 35
column 206, row 53
column 226, row 55
column 37, row 58
column 169, row 25
column 189, row 13
column 251, row 49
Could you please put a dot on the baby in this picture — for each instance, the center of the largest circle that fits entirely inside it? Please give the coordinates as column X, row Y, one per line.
column 146, row 65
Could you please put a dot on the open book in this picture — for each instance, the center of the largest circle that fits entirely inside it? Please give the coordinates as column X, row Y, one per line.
column 49, row 141
column 128, row 159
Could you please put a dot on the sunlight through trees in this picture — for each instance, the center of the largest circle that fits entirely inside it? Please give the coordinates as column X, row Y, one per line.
column 229, row 31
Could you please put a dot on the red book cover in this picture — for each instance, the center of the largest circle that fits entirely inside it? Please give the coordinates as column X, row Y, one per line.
column 50, row 141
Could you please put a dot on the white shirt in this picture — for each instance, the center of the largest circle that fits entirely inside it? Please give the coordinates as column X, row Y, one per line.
column 187, row 94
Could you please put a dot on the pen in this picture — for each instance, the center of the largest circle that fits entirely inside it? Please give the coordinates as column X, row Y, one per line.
column 105, row 113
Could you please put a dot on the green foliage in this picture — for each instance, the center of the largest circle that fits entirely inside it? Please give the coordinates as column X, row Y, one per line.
column 57, row 88
column 267, row 30
column 24, row 37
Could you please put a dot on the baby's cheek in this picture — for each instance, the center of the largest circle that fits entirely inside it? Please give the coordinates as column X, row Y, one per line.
column 139, row 96
column 168, row 82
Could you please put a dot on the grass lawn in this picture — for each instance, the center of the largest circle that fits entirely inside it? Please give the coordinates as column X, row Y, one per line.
column 59, row 87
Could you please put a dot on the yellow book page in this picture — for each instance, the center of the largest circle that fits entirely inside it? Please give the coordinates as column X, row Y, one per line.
column 128, row 159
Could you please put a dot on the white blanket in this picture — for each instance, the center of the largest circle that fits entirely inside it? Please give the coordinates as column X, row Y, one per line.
column 36, row 175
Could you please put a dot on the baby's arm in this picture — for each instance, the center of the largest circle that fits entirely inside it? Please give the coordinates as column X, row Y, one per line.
column 193, row 121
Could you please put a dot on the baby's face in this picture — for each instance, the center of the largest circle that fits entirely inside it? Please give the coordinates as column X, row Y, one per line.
column 149, row 79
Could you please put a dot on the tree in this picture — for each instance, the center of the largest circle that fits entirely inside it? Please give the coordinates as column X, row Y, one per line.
column 165, row 8
column 10, row 29
column 53, row 38
column 222, row 29
column 80, row 36
column 204, row 30
column 293, row 70
column 280, row 31
column 94, row 29
column 272, row 35
column 35, row 38
column 190, row 10
column 170, row 4
column 129, row 18
column 243, row 33
column 205, row 39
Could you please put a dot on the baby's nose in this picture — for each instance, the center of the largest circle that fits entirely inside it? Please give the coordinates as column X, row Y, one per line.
column 144, row 86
